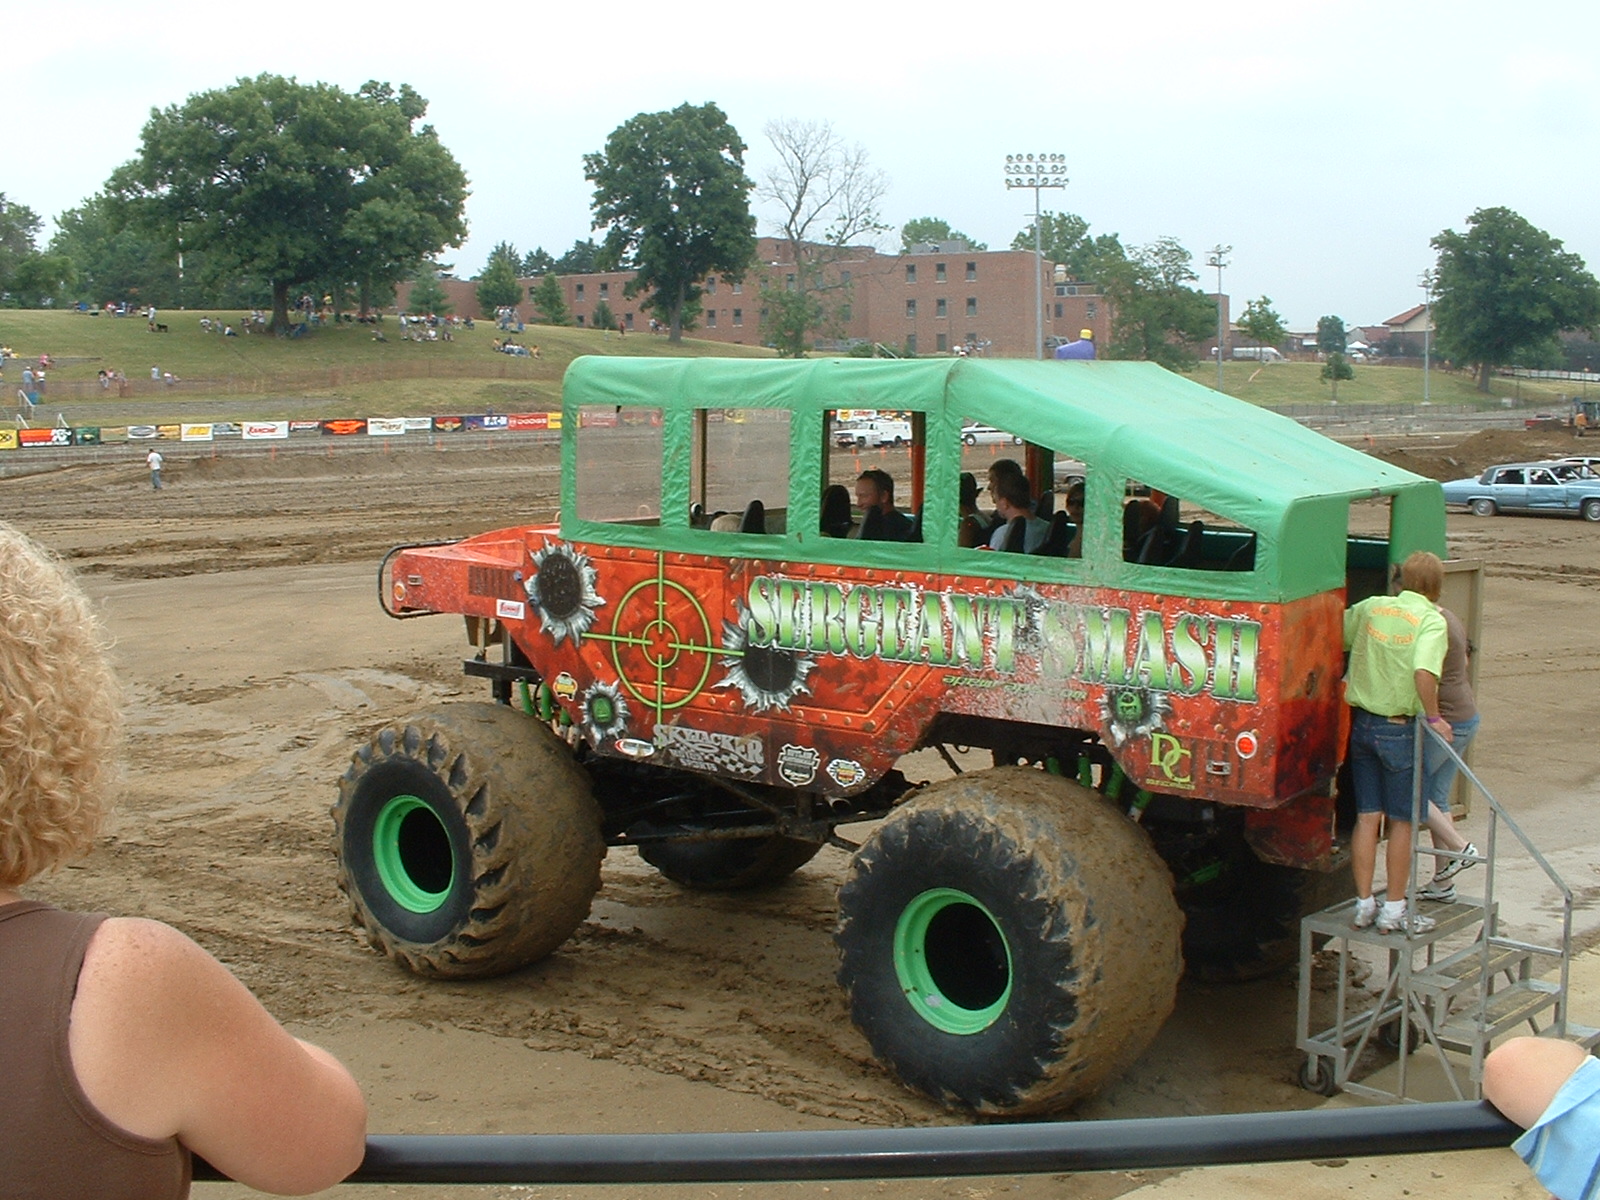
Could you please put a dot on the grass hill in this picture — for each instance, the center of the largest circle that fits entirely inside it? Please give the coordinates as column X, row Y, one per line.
column 342, row 370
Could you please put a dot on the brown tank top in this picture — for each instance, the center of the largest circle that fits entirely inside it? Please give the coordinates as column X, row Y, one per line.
column 54, row 1144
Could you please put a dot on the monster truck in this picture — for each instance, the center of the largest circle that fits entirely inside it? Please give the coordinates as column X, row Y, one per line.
column 1163, row 711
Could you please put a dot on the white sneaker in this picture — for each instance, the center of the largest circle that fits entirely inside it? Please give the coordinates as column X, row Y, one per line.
column 1456, row 865
column 1439, row 893
column 1366, row 912
column 1408, row 923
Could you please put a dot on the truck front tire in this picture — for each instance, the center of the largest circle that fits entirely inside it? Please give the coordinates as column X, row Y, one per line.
column 1008, row 941
column 468, row 841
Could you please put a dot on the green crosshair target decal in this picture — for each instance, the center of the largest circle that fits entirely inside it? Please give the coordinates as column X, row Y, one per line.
column 661, row 642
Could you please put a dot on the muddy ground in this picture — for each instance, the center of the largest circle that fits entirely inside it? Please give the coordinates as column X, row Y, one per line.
column 255, row 657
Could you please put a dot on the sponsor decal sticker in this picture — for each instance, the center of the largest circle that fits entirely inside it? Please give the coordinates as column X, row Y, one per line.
column 797, row 765
column 511, row 610
column 255, row 431
column 564, row 686
column 846, row 772
column 705, row 750
column 1175, row 763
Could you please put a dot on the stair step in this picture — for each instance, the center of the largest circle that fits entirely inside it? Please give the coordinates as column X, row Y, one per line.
column 1584, row 1035
column 1507, row 1008
column 1452, row 918
column 1463, row 971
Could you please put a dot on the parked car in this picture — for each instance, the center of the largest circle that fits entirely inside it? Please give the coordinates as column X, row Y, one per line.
column 1528, row 488
column 866, row 435
column 987, row 435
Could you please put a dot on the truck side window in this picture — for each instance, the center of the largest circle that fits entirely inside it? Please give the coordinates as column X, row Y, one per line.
column 739, row 470
column 1162, row 530
column 619, row 465
column 870, row 454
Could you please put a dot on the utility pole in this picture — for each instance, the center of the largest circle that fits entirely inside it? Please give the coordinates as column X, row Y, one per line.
column 1219, row 259
column 1037, row 171
column 1426, row 282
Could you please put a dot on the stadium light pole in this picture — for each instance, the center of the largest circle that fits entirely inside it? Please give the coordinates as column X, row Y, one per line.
column 1037, row 171
column 1219, row 259
column 1426, row 282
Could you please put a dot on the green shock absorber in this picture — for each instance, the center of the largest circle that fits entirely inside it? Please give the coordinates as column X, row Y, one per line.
column 527, row 700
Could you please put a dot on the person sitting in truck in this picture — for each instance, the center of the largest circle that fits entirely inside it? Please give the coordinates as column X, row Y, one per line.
column 1013, row 500
column 881, row 521
column 1075, row 495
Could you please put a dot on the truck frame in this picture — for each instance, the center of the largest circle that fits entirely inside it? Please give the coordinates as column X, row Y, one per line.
column 686, row 664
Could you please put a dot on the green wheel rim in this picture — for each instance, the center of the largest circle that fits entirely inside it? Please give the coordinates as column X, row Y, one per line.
column 953, row 961
column 406, row 828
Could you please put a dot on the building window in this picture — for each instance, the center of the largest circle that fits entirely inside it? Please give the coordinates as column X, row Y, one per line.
column 972, row 306
column 1058, row 312
column 738, row 289
column 972, row 270
column 911, row 345
column 941, row 343
column 844, row 276
column 628, row 320
column 911, row 310
column 788, row 283
column 911, row 272
column 844, row 311
column 711, row 285
column 580, row 318
column 605, row 290
column 738, row 316
column 940, row 308
column 711, row 318
column 580, row 291
column 763, row 314
column 938, row 272
column 1088, row 310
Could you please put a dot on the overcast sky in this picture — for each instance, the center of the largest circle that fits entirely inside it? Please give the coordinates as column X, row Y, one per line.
column 1325, row 142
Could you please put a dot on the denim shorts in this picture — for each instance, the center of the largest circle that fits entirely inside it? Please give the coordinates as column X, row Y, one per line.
column 1381, row 758
column 1439, row 769
column 1563, row 1146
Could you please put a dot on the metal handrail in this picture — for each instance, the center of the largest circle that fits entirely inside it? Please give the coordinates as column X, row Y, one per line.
column 1046, row 1148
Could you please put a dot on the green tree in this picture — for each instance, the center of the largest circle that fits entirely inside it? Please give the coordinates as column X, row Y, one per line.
column 603, row 317
column 1337, row 367
column 1065, row 239
column 827, row 195
column 548, row 298
column 582, row 259
column 42, row 280
column 672, row 194
column 1155, row 314
column 428, row 295
column 1330, row 335
column 536, row 262
column 932, row 229
column 116, row 262
column 1261, row 324
column 1505, row 290
column 297, row 183
column 498, row 286
column 19, row 228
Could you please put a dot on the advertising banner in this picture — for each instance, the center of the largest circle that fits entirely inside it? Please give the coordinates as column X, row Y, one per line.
column 448, row 424
column 113, row 433
column 86, row 435
column 522, row 421
column 8, row 439
column 344, row 426
column 386, row 426
column 140, row 433
column 418, row 424
column 260, row 431
column 305, row 427
column 227, row 429
column 195, row 433
column 171, row 433
column 33, row 438
column 491, row 422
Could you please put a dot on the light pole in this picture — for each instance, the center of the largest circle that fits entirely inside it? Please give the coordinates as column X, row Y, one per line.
column 1037, row 171
column 1219, row 259
column 1426, row 282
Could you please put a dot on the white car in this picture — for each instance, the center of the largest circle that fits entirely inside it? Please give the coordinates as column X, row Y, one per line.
column 988, row 435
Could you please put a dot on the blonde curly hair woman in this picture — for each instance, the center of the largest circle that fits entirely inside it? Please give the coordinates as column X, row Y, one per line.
column 123, row 1044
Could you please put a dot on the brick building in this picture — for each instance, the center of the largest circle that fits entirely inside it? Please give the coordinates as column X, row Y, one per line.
column 932, row 301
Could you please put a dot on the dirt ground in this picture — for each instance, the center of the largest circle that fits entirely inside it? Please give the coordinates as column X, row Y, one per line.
column 255, row 658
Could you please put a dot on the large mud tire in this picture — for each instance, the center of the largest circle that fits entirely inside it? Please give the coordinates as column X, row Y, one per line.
column 733, row 865
column 468, row 841
column 1008, row 941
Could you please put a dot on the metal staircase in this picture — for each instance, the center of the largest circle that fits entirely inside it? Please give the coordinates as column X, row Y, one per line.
column 1449, row 992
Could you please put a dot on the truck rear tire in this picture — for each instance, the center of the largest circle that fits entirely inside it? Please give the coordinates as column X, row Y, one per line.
column 468, row 841
column 1008, row 942
column 731, row 865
